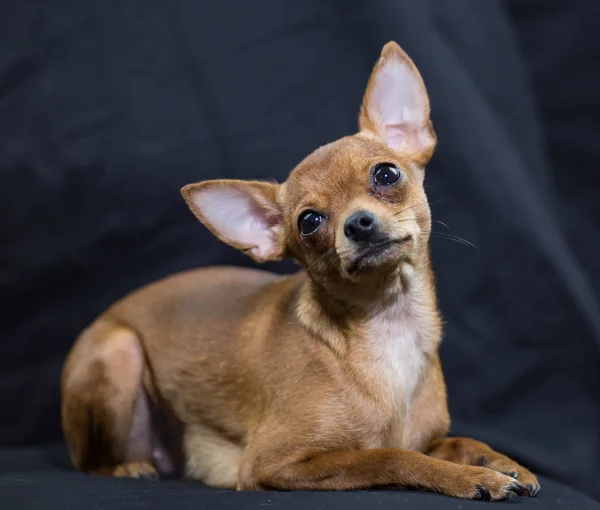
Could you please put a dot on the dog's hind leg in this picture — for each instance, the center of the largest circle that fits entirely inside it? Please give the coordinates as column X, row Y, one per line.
column 105, row 412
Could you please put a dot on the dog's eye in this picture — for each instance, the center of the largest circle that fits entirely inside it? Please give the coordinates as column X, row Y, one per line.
column 309, row 222
column 385, row 174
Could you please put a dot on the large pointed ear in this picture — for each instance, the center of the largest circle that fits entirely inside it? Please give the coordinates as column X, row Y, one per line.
column 244, row 214
column 396, row 106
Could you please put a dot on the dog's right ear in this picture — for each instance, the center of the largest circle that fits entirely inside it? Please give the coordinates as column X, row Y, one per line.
column 243, row 214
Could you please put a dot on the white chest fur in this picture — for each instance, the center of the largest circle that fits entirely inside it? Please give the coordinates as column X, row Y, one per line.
column 394, row 344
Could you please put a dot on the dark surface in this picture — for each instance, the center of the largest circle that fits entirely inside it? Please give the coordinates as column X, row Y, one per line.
column 41, row 478
column 108, row 108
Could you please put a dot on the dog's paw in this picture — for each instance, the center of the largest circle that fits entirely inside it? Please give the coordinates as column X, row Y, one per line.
column 142, row 470
column 511, row 468
column 484, row 484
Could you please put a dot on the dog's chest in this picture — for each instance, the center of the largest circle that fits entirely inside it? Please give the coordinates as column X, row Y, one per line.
column 395, row 351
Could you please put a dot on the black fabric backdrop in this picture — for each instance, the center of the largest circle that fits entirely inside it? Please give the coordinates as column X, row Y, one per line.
column 108, row 108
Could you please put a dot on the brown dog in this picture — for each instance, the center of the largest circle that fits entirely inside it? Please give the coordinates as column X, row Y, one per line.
column 328, row 379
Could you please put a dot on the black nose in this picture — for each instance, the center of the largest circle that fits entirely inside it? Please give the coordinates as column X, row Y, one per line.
column 361, row 226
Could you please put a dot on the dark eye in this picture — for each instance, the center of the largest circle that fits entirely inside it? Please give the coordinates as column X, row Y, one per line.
column 309, row 222
column 385, row 174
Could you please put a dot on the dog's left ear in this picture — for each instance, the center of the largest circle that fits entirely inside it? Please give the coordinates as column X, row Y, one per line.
column 396, row 105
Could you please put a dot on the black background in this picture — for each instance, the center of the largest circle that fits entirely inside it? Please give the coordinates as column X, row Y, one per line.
column 108, row 108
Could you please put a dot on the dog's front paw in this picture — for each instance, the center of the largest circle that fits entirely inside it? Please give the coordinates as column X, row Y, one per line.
column 511, row 468
column 480, row 483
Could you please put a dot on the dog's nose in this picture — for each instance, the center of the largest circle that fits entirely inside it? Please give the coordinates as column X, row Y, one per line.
column 361, row 226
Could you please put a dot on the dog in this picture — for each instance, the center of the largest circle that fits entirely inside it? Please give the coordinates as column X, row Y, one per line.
column 328, row 379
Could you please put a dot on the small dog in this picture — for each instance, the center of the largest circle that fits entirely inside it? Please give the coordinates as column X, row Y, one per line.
column 325, row 380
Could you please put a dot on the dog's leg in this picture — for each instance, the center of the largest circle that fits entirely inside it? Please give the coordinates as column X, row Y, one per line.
column 105, row 413
column 363, row 469
column 462, row 450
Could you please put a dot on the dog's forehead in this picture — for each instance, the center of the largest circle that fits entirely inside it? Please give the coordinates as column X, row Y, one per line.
column 338, row 164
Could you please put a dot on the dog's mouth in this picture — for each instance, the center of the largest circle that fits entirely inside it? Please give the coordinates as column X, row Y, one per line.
column 377, row 254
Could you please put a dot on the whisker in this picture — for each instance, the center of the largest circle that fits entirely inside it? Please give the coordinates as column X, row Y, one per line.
column 455, row 238
column 441, row 223
column 451, row 237
column 405, row 219
column 418, row 204
column 328, row 252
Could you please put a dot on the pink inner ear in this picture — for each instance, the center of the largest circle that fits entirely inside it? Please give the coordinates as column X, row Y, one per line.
column 408, row 136
column 398, row 134
column 398, row 106
column 239, row 218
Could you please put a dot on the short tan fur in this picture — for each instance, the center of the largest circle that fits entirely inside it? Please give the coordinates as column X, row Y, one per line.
column 328, row 379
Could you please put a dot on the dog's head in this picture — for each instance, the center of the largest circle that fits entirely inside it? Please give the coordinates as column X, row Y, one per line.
column 353, row 210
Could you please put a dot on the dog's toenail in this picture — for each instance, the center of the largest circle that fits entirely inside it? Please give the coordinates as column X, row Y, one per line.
column 483, row 460
column 483, row 493
column 517, row 488
column 514, row 474
column 533, row 490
